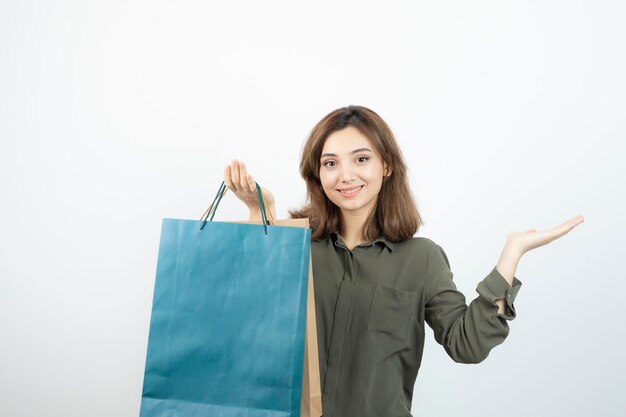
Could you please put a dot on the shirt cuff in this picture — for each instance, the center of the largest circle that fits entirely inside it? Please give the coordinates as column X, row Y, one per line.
column 495, row 287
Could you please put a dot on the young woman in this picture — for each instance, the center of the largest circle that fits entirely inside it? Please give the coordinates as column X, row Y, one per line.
column 376, row 284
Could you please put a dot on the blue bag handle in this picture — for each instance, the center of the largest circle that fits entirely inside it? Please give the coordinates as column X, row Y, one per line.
column 218, row 197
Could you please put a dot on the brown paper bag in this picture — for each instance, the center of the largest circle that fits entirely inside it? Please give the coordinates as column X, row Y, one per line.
column 311, row 387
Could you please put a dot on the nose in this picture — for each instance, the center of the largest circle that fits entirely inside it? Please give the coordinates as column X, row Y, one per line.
column 347, row 174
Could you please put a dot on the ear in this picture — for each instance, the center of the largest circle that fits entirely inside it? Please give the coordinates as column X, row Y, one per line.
column 387, row 171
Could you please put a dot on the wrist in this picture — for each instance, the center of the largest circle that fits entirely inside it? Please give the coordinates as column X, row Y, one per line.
column 507, row 264
column 255, row 213
column 512, row 251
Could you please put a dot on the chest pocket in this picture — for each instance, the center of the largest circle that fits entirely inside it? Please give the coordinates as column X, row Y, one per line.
column 392, row 311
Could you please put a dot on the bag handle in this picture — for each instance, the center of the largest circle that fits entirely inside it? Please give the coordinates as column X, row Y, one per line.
column 218, row 197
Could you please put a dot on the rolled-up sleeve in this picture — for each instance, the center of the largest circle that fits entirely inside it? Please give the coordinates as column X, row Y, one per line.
column 467, row 333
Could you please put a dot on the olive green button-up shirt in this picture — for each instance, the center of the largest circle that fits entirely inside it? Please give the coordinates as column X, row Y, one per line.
column 371, row 304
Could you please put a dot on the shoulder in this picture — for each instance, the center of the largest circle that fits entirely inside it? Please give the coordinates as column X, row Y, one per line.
column 423, row 249
column 416, row 250
column 417, row 243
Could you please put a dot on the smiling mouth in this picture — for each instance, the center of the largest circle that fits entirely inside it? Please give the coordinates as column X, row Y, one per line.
column 350, row 191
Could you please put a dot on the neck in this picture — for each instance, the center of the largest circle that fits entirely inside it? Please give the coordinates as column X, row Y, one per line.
column 352, row 225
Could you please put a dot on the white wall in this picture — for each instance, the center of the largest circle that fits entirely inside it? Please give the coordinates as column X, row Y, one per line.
column 115, row 114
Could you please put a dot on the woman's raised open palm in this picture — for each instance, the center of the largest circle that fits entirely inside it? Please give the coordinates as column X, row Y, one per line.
column 531, row 239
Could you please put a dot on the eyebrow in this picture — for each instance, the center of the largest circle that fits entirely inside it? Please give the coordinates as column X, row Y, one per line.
column 354, row 151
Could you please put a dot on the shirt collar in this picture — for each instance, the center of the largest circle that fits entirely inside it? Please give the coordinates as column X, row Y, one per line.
column 335, row 235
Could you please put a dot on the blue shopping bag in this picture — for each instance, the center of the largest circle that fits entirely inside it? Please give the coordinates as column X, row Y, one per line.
column 228, row 319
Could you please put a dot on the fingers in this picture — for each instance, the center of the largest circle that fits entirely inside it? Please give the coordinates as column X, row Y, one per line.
column 228, row 178
column 559, row 231
column 251, row 182
column 243, row 178
column 236, row 177
column 234, row 172
column 564, row 228
column 577, row 220
column 231, row 176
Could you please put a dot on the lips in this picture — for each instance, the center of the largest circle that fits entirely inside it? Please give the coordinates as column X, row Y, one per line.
column 350, row 192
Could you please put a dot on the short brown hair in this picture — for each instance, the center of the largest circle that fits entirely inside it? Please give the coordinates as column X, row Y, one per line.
column 395, row 216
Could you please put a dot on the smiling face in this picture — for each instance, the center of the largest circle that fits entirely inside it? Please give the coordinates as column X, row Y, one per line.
column 351, row 171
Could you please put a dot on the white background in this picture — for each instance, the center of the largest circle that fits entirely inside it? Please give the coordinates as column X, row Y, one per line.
column 116, row 114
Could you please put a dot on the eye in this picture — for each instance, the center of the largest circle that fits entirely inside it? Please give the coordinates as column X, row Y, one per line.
column 326, row 164
column 363, row 157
